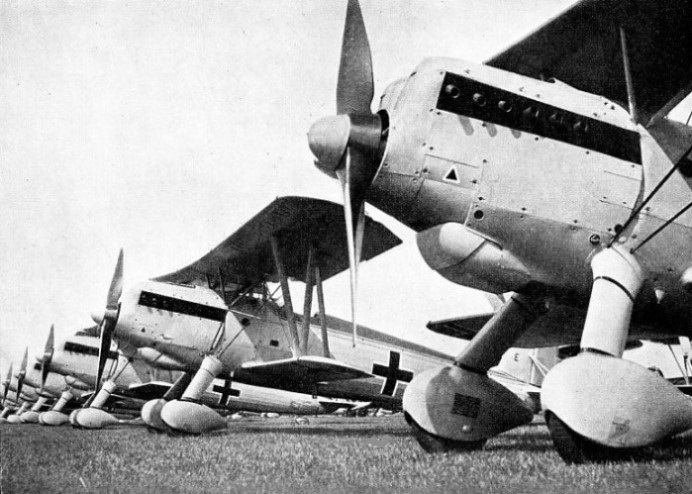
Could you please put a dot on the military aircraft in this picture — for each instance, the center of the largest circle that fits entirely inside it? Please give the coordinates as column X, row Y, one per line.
column 550, row 171
column 130, row 382
column 21, row 397
column 216, row 317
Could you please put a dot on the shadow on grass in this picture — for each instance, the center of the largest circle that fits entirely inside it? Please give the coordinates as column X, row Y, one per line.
column 671, row 449
column 533, row 438
column 321, row 431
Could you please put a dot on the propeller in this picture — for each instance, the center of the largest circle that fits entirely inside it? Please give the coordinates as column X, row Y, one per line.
column 47, row 356
column 110, row 317
column 6, row 384
column 349, row 146
column 22, row 373
column 685, row 347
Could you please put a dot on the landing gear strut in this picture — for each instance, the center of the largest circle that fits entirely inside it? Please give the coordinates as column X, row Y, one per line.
column 599, row 406
column 188, row 415
column 457, row 408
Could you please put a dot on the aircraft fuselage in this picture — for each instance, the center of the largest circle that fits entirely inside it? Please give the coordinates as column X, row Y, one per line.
column 253, row 330
column 514, row 184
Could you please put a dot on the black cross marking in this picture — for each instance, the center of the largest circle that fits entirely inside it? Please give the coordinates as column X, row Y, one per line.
column 392, row 374
column 226, row 392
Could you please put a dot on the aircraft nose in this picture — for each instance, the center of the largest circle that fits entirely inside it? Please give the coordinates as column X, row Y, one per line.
column 327, row 139
column 97, row 315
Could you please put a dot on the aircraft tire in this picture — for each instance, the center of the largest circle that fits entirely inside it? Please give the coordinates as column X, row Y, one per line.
column 576, row 449
column 436, row 444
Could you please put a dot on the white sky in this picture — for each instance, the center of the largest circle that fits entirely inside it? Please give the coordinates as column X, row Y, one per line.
column 161, row 127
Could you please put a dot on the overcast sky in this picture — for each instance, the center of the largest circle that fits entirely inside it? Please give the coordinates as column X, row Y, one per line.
column 161, row 127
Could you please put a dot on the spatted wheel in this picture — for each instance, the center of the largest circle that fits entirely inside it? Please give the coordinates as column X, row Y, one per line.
column 574, row 448
column 436, row 444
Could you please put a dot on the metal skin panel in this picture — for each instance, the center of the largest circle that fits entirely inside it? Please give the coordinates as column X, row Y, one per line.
column 402, row 171
column 549, row 198
column 82, row 364
column 529, row 113
column 675, row 193
column 262, row 329
column 183, row 337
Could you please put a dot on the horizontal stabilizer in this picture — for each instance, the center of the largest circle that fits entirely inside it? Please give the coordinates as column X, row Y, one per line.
column 686, row 389
column 464, row 328
column 293, row 374
column 297, row 223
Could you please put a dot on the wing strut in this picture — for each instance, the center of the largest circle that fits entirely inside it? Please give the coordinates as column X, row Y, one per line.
column 307, row 304
column 222, row 286
column 323, row 315
column 295, row 341
column 632, row 102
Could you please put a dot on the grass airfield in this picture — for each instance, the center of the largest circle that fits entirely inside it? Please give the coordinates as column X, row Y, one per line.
column 330, row 454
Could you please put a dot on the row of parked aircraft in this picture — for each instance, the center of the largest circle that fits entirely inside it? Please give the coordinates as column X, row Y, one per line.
column 550, row 171
column 230, row 345
column 224, row 343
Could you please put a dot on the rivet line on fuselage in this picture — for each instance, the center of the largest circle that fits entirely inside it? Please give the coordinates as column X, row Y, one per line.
column 460, row 95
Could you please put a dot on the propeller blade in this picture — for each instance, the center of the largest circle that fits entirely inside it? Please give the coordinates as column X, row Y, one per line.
column 47, row 356
column 685, row 347
column 44, row 374
column 6, row 384
column 344, row 176
column 116, row 288
column 22, row 373
column 104, row 348
column 110, row 317
column 355, row 86
column 350, row 145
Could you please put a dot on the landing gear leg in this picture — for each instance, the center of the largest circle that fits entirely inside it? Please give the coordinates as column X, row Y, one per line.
column 54, row 416
column 151, row 411
column 457, row 408
column 600, row 407
column 188, row 415
column 94, row 417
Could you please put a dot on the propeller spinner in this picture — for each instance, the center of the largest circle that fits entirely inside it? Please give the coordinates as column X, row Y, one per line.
column 349, row 145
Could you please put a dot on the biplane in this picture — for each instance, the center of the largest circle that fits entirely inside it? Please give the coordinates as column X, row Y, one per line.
column 216, row 318
column 550, row 171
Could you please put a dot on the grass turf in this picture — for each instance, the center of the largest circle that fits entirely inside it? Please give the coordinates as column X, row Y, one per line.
column 357, row 455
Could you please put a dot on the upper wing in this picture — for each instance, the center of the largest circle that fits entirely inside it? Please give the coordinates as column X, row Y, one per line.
column 581, row 47
column 297, row 222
